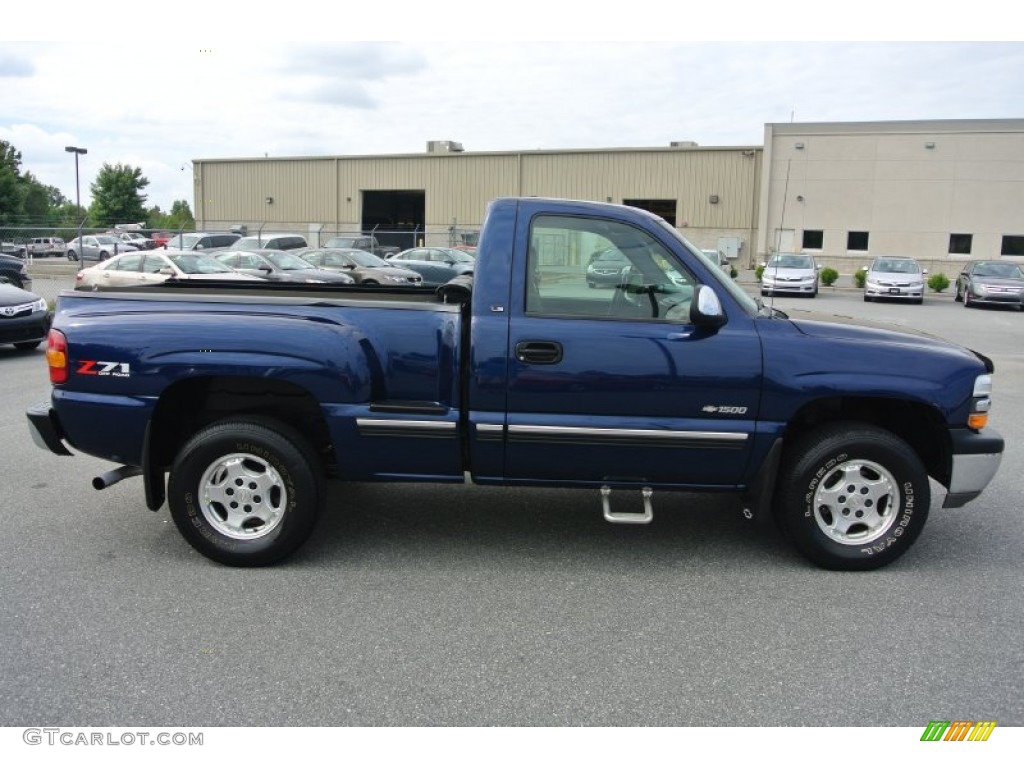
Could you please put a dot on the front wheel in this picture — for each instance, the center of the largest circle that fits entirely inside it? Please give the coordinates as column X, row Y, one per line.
column 72, row 256
column 246, row 492
column 852, row 496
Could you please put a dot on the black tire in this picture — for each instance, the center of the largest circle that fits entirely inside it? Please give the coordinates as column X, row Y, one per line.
column 370, row 282
column 957, row 296
column 866, row 297
column 261, row 464
column 967, row 299
column 72, row 256
column 859, row 530
column 26, row 345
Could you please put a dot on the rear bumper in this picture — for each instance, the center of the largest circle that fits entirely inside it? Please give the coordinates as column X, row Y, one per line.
column 975, row 460
column 44, row 426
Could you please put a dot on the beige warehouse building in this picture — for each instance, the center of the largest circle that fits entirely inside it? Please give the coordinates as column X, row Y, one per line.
column 942, row 190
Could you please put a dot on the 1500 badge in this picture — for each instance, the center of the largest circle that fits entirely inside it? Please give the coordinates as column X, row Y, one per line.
column 735, row 410
column 103, row 368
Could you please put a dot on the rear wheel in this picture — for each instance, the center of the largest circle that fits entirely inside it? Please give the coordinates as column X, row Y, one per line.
column 246, row 492
column 852, row 496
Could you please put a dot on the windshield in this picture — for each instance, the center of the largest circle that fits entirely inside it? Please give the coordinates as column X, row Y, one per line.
column 183, row 242
column 364, row 259
column 738, row 294
column 791, row 261
column 896, row 266
column 287, row 261
column 194, row 264
column 106, row 240
column 996, row 269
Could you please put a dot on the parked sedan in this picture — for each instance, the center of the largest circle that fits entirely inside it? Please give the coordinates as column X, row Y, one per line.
column 280, row 266
column 435, row 265
column 97, row 248
column 891, row 277
column 790, row 273
column 154, row 267
column 364, row 267
column 24, row 316
column 991, row 282
column 605, row 268
column 140, row 241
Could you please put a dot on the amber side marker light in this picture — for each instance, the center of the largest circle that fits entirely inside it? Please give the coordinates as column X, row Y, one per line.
column 57, row 357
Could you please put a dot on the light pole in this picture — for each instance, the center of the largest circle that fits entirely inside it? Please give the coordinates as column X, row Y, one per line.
column 78, row 193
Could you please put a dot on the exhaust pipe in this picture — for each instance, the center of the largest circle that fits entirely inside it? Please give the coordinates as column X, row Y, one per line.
column 114, row 476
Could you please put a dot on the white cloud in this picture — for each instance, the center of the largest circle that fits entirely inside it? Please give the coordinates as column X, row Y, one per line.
column 159, row 107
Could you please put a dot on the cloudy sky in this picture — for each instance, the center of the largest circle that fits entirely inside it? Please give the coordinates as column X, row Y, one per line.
column 158, row 93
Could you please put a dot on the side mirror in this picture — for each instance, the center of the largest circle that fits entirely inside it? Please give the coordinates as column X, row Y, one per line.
column 924, row 271
column 706, row 309
column 165, row 271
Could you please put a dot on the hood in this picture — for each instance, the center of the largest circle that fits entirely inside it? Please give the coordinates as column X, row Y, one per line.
column 825, row 326
column 13, row 296
column 789, row 271
column 1001, row 282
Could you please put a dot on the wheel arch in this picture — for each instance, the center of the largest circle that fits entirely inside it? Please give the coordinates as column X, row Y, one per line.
column 189, row 405
column 921, row 426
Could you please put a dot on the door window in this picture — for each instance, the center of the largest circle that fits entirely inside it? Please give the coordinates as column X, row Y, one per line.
column 595, row 268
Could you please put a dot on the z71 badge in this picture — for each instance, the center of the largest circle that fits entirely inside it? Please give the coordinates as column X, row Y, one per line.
column 728, row 410
column 103, row 368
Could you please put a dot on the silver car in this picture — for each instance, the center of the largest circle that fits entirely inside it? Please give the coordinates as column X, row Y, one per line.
column 363, row 266
column 894, row 277
column 97, row 248
column 790, row 273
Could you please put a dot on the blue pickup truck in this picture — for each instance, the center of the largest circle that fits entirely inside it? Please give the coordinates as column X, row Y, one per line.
column 237, row 403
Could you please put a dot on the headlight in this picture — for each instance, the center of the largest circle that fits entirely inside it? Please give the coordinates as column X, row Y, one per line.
column 394, row 278
column 981, row 402
column 39, row 306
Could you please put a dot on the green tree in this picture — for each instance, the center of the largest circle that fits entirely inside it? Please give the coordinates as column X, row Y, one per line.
column 12, row 190
column 180, row 217
column 117, row 196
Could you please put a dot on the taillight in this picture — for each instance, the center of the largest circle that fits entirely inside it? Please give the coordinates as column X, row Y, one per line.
column 57, row 357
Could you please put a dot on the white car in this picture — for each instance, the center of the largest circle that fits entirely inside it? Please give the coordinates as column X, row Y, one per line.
column 894, row 277
column 790, row 273
column 145, row 267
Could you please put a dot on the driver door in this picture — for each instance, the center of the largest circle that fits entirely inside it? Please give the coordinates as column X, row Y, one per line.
column 612, row 383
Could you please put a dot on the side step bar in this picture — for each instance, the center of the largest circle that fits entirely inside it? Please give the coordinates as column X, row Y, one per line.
column 627, row 517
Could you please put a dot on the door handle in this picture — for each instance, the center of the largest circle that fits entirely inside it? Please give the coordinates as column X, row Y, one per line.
column 539, row 352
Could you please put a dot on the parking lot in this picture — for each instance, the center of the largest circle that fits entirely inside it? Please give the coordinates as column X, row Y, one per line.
column 427, row 605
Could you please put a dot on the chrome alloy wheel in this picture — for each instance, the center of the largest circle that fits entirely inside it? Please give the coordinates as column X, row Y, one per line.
column 242, row 496
column 856, row 502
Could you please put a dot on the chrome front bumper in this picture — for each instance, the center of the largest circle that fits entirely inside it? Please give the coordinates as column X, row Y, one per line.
column 976, row 458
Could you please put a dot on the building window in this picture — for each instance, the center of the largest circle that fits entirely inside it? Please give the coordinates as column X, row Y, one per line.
column 856, row 241
column 960, row 243
column 813, row 238
column 1013, row 245
column 664, row 208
